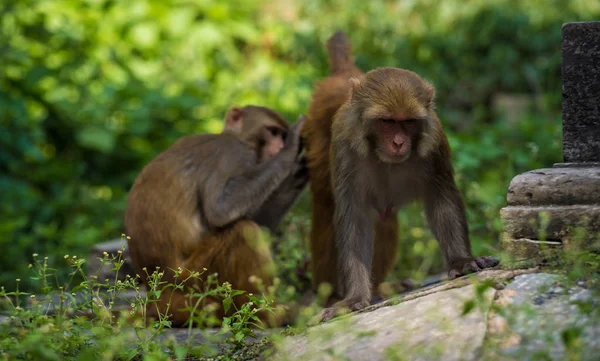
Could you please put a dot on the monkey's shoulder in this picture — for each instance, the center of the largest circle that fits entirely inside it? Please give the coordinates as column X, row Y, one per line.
column 201, row 145
column 194, row 141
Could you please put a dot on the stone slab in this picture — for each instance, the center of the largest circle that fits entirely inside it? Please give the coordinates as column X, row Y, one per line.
column 555, row 186
column 577, row 165
column 525, row 248
column 524, row 222
column 103, row 272
column 431, row 327
column 535, row 310
column 581, row 91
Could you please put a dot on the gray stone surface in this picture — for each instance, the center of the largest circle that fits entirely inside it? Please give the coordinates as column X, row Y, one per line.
column 555, row 186
column 103, row 272
column 80, row 301
column 569, row 192
column 426, row 328
column 525, row 248
column 524, row 221
column 577, row 165
column 535, row 311
column 581, row 91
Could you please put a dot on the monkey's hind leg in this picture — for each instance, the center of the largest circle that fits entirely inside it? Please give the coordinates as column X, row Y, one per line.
column 235, row 255
column 239, row 255
column 324, row 254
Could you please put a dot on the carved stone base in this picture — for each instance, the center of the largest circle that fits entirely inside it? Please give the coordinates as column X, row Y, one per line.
column 551, row 208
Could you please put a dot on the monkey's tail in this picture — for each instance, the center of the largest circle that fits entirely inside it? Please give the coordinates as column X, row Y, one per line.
column 340, row 53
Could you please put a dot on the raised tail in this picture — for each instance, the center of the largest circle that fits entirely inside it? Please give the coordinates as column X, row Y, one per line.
column 340, row 53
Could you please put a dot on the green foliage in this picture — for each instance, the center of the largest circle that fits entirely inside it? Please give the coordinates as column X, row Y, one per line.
column 55, row 327
column 91, row 90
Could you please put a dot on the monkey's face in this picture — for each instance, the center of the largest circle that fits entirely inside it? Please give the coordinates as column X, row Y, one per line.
column 271, row 141
column 395, row 105
column 394, row 138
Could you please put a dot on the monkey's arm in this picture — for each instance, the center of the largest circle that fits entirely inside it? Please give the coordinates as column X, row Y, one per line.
column 276, row 207
column 354, row 230
column 445, row 213
column 238, row 188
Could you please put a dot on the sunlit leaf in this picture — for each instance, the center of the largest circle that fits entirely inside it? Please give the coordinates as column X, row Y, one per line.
column 96, row 138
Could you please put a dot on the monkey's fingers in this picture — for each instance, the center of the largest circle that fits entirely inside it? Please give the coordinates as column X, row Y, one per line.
column 334, row 311
column 297, row 127
column 473, row 265
column 487, row 261
column 302, row 162
column 328, row 314
column 300, row 146
column 453, row 273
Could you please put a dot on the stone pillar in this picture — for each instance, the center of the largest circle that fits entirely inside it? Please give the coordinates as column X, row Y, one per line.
column 581, row 92
column 547, row 208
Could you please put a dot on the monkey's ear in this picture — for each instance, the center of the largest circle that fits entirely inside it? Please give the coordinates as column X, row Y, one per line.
column 354, row 85
column 429, row 94
column 234, row 119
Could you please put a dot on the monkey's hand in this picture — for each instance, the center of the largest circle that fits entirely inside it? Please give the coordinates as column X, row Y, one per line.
column 299, row 177
column 465, row 266
column 270, row 214
column 344, row 307
column 293, row 143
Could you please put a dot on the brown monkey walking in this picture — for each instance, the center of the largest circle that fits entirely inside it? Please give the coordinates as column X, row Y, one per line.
column 200, row 204
column 374, row 143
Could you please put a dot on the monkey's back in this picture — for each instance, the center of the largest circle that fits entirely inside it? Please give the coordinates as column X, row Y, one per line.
column 163, row 198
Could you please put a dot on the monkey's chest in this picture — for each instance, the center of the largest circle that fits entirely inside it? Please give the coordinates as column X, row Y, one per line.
column 388, row 195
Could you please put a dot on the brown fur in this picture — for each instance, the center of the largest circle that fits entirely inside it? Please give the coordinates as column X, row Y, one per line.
column 200, row 204
column 327, row 97
column 375, row 144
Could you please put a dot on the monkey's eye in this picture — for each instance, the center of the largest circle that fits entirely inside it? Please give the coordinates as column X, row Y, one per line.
column 387, row 120
column 274, row 131
column 410, row 121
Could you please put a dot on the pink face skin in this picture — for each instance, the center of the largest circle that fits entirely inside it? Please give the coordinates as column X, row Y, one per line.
column 396, row 135
column 272, row 142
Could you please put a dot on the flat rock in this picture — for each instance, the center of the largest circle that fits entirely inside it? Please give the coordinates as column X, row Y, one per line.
column 431, row 327
column 524, row 221
column 525, row 248
column 105, row 272
column 536, row 310
column 556, row 186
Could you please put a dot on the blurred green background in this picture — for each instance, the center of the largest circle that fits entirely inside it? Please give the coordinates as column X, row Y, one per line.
column 91, row 90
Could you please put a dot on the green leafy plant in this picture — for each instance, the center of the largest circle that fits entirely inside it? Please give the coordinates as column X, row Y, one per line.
column 92, row 320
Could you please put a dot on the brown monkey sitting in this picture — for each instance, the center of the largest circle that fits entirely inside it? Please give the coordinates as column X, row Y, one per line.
column 374, row 143
column 200, row 203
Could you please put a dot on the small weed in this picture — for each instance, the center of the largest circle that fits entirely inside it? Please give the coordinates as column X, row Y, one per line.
column 93, row 320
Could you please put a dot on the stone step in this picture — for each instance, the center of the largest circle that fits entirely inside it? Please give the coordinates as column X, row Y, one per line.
column 103, row 272
column 524, row 222
column 525, row 248
column 556, row 186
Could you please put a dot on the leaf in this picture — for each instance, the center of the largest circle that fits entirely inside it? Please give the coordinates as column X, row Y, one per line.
column 239, row 336
column 227, row 304
column 96, row 138
column 468, row 307
column 144, row 34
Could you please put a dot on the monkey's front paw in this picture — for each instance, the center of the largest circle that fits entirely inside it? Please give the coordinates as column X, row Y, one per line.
column 470, row 265
column 343, row 307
